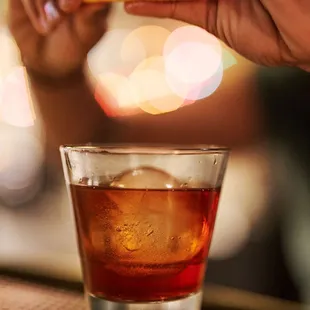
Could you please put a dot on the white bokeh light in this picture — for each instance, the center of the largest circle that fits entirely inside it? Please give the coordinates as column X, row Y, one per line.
column 192, row 62
column 241, row 210
column 187, row 34
column 9, row 53
column 196, row 91
column 110, row 55
column 21, row 155
column 16, row 106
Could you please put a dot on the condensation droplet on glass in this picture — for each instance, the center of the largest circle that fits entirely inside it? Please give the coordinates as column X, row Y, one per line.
column 150, row 232
column 115, row 179
column 84, row 181
column 184, row 185
column 215, row 160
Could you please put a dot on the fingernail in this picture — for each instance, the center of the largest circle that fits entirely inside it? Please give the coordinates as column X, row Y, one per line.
column 51, row 11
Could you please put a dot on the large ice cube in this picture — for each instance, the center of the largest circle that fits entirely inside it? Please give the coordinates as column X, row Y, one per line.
column 153, row 226
column 145, row 177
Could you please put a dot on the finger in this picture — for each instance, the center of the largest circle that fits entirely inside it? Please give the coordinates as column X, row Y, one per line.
column 33, row 15
column 69, row 6
column 91, row 23
column 21, row 27
column 50, row 13
column 42, row 14
column 193, row 12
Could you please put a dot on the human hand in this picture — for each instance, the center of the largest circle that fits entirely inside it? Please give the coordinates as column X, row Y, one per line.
column 54, row 37
column 267, row 32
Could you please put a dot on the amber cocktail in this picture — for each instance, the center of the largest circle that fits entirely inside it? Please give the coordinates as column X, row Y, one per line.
column 144, row 219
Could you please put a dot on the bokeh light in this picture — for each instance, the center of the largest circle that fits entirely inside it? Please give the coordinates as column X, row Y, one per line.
column 196, row 91
column 193, row 61
column 151, row 63
column 16, row 106
column 9, row 53
column 107, row 56
column 5, row 156
column 155, row 95
column 21, row 157
column 241, row 210
column 157, row 63
column 155, row 69
column 227, row 241
column 152, row 37
column 117, row 92
column 190, row 33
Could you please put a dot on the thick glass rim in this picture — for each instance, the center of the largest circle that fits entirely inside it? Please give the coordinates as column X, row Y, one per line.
column 145, row 149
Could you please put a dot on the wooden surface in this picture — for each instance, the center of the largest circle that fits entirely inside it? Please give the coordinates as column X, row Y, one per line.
column 40, row 294
column 233, row 299
column 22, row 295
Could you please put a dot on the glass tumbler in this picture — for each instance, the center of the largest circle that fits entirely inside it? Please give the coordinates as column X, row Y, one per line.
column 144, row 220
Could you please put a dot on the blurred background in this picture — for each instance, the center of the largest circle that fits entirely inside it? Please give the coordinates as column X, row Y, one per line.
column 249, row 250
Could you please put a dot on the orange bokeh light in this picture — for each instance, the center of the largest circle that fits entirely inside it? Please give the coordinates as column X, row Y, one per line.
column 155, row 95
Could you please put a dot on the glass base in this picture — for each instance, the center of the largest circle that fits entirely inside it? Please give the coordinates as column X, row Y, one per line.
column 192, row 302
